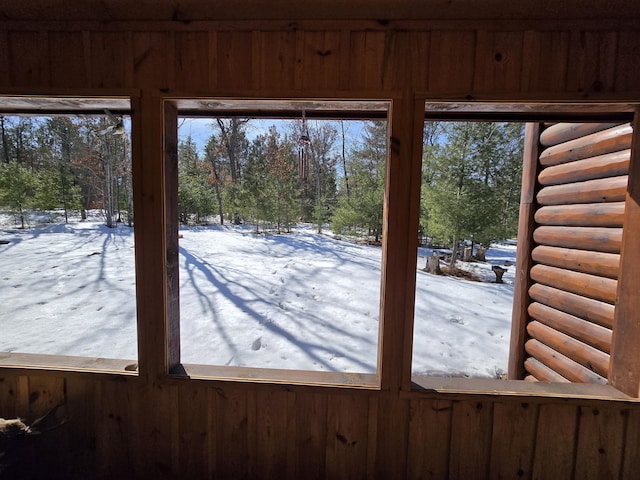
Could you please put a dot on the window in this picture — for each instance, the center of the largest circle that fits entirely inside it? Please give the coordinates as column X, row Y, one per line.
column 280, row 211
column 66, row 233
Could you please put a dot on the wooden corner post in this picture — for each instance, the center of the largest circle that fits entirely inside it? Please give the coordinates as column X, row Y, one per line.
column 526, row 225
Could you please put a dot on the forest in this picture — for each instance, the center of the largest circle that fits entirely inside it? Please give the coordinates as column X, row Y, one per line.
column 271, row 175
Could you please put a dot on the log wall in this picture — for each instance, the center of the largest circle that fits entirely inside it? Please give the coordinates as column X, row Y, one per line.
column 154, row 426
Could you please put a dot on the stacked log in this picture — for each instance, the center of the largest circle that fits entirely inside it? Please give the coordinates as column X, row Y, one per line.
column 582, row 189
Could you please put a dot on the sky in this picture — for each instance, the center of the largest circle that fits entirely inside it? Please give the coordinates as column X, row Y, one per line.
column 292, row 301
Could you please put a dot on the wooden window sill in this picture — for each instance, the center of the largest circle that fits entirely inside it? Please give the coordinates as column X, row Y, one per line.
column 66, row 364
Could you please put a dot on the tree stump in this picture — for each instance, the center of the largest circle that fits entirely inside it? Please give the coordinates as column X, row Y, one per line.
column 480, row 254
column 467, row 255
column 499, row 271
column 433, row 264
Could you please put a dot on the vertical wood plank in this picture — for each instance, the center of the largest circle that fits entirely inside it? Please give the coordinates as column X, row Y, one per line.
column 513, row 442
column 601, row 442
column 8, row 396
column 627, row 74
column 526, row 225
column 172, row 225
column 347, row 433
column 321, row 59
column 213, row 60
column 411, row 60
column 367, row 53
column 5, row 77
column 194, row 431
column 451, row 61
column 308, row 442
column 392, row 436
column 471, row 432
column 152, row 59
column 631, row 445
column 232, row 452
column 81, row 429
column 498, row 64
column 67, row 59
column 235, row 60
column 555, row 442
column 192, row 60
column 624, row 368
column 45, row 392
column 277, row 60
column 429, row 439
column 545, row 61
column 28, row 59
column 271, row 434
column 592, row 62
column 112, row 60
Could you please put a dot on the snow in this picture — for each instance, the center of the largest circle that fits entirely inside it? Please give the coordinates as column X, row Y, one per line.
column 292, row 301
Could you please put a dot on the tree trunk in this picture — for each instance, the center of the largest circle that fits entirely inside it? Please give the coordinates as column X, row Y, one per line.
column 480, row 254
column 433, row 264
column 466, row 255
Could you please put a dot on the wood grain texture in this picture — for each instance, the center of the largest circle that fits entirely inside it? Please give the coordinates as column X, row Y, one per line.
column 598, row 239
column 451, row 61
column 613, row 189
column 544, row 61
column 596, row 263
column 511, row 444
column 498, row 61
column 471, row 459
column 592, row 61
column 321, row 58
column 562, row 364
column 600, row 313
column 587, row 332
column 429, row 439
column 590, row 286
column 192, row 60
column 235, row 60
column 627, row 78
column 582, row 215
column 112, row 59
column 277, row 60
column 599, row 143
column 563, row 132
column 28, row 59
column 67, row 59
column 609, row 165
column 587, row 356
column 555, row 442
column 539, row 372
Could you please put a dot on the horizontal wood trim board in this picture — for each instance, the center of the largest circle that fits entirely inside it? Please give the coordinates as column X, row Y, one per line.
column 564, row 132
column 609, row 165
column 598, row 239
column 600, row 143
column 582, row 215
column 541, row 373
column 566, row 367
column 587, row 356
column 583, row 284
column 595, row 335
column 600, row 313
column 613, row 189
column 585, row 261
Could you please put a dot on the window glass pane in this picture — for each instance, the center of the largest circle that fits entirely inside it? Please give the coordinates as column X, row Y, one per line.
column 66, row 236
column 471, row 178
column 280, row 242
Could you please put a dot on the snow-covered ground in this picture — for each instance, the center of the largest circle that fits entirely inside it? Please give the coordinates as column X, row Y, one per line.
column 296, row 301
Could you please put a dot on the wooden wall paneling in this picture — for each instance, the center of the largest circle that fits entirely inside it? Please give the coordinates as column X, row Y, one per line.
column 28, row 61
column 565, row 132
column 526, row 226
column 321, row 59
column 471, row 433
column 369, row 56
column 308, row 430
column 592, row 62
column 591, row 286
column 451, row 61
column 271, row 434
column 231, row 432
column 625, row 353
column 45, row 392
column 598, row 239
column 5, row 70
column 213, row 60
column 277, row 60
column 153, row 59
column 67, row 59
column 347, row 436
column 608, row 165
column 112, row 59
column 631, row 445
column 392, row 436
column 555, row 446
column 513, row 441
column 81, row 428
column 192, row 68
column 601, row 442
column 411, row 60
column 235, row 60
column 194, row 431
column 429, row 442
column 627, row 75
column 545, row 61
column 114, row 429
column 8, row 396
column 498, row 64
